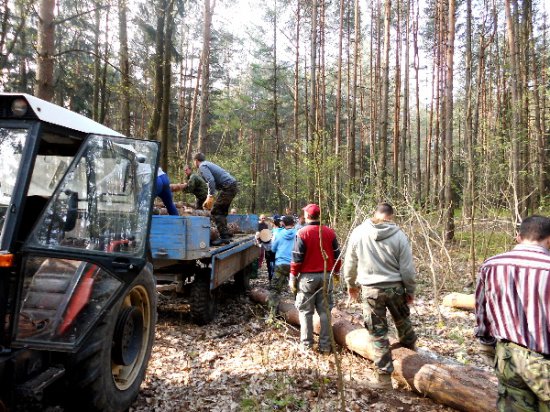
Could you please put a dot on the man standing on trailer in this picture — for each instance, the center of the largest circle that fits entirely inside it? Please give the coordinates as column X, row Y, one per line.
column 217, row 180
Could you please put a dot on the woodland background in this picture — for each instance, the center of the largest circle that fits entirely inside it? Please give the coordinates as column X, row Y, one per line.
column 439, row 106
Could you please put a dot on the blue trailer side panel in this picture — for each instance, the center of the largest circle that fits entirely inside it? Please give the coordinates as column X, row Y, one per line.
column 180, row 237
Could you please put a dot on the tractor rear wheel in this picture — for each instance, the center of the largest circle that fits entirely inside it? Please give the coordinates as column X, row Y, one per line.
column 108, row 370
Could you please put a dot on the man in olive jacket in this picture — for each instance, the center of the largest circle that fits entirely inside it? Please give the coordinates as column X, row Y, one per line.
column 379, row 260
column 195, row 185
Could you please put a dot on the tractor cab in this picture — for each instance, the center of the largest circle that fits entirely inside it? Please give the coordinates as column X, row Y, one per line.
column 75, row 202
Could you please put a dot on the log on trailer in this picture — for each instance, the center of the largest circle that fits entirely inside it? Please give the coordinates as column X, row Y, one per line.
column 461, row 387
column 460, row 301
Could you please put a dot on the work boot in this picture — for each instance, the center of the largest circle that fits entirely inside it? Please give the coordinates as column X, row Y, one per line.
column 379, row 380
column 220, row 241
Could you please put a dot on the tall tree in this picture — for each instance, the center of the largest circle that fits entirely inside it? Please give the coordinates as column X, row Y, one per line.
column 205, row 83
column 154, row 122
column 124, row 67
column 45, row 50
column 448, row 202
column 382, row 162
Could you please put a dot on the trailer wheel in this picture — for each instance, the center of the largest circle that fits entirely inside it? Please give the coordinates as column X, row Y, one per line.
column 242, row 279
column 110, row 366
column 203, row 300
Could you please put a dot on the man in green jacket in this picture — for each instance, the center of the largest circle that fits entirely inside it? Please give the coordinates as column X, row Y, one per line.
column 195, row 185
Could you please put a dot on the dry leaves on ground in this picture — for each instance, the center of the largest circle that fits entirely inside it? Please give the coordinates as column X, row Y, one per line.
column 240, row 362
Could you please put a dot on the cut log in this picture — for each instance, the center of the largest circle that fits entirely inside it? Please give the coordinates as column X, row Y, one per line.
column 461, row 387
column 460, row 301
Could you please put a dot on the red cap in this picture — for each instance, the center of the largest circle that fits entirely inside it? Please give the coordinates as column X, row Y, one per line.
column 312, row 209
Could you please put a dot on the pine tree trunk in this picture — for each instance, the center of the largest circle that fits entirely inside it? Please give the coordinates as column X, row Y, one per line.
column 45, row 50
column 449, row 203
column 205, row 84
column 154, row 122
column 124, row 68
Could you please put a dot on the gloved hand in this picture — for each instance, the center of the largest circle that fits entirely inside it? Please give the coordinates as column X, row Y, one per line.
column 486, row 350
column 208, row 203
column 292, row 284
column 335, row 279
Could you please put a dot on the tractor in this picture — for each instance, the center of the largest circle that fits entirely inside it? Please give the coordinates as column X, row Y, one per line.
column 77, row 290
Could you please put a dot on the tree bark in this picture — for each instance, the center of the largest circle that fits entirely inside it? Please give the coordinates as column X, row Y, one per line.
column 336, row 193
column 449, row 204
column 163, row 132
column 124, row 68
column 205, row 84
column 154, row 123
column 45, row 50
column 383, row 119
column 461, row 387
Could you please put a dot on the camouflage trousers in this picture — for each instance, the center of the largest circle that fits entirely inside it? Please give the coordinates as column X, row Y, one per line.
column 278, row 283
column 523, row 379
column 311, row 297
column 221, row 208
column 375, row 303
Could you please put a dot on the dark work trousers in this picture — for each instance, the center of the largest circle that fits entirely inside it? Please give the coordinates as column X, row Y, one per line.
column 270, row 263
column 221, row 208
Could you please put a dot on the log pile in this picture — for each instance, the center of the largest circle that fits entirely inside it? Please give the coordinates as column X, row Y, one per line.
column 460, row 301
column 461, row 387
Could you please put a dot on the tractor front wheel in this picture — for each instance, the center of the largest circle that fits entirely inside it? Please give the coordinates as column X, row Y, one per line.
column 110, row 366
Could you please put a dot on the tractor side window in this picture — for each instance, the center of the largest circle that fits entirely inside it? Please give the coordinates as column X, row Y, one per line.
column 12, row 142
column 101, row 204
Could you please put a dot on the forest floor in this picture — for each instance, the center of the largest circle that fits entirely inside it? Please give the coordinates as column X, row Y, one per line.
column 240, row 362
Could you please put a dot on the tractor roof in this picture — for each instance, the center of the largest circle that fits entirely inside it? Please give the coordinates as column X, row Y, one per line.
column 51, row 113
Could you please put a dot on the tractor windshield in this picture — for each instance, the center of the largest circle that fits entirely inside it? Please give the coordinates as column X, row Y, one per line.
column 12, row 143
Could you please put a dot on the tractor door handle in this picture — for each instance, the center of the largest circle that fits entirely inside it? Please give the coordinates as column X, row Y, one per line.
column 120, row 265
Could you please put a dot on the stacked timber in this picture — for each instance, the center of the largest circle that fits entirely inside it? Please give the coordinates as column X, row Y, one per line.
column 461, row 387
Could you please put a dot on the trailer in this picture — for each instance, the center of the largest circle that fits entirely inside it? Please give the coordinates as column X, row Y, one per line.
column 183, row 259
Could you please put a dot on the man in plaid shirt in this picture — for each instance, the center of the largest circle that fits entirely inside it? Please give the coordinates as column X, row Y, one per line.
column 512, row 315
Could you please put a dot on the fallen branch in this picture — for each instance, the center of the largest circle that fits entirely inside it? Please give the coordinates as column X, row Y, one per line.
column 461, row 387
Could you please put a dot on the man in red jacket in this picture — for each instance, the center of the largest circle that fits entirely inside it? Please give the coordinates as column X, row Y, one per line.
column 314, row 258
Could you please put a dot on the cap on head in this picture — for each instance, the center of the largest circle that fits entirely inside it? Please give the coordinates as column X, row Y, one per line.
column 288, row 220
column 276, row 217
column 312, row 210
column 200, row 157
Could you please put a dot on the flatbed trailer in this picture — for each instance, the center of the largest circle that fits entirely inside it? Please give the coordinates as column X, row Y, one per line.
column 184, row 260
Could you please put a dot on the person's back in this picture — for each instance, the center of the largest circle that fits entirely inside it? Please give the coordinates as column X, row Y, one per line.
column 283, row 244
column 379, row 261
column 218, row 180
column 382, row 255
column 282, row 249
column 513, row 318
column 215, row 176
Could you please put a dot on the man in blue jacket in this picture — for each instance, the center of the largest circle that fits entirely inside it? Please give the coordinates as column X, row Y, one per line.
column 282, row 247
